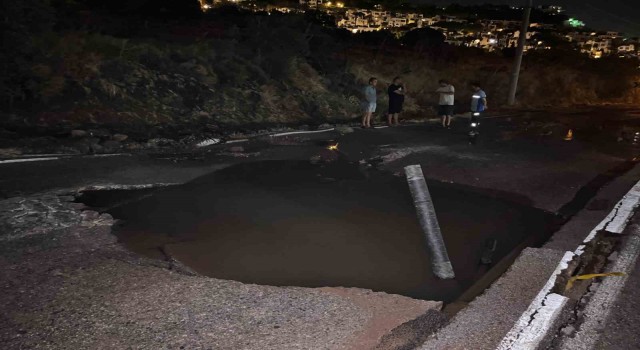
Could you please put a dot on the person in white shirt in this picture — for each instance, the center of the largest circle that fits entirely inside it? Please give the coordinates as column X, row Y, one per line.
column 446, row 102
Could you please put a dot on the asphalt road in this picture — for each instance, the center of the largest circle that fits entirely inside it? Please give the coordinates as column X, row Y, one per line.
column 523, row 158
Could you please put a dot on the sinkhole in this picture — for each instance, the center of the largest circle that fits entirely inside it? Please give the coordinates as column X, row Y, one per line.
column 293, row 223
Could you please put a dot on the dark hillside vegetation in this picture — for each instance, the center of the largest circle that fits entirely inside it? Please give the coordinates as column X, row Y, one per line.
column 142, row 64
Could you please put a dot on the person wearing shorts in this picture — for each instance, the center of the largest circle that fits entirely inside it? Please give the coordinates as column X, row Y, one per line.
column 369, row 103
column 446, row 94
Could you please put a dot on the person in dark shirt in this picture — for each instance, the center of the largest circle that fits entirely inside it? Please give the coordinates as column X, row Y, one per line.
column 396, row 99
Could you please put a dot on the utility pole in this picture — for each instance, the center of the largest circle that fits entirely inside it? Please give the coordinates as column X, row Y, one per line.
column 522, row 40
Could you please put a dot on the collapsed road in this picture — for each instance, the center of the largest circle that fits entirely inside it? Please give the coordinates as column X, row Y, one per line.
column 71, row 283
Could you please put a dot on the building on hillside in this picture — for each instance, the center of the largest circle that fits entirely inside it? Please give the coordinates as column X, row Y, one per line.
column 596, row 47
column 611, row 35
column 312, row 3
column 546, row 26
column 429, row 21
column 529, row 43
column 626, row 48
column 551, row 9
column 398, row 22
column 495, row 25
column 578, row 37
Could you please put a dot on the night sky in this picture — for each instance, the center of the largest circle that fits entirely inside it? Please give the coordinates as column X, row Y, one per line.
column 618, row 15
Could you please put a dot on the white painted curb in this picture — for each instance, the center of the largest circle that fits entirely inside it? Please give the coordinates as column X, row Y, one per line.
column 22, row 160
column 301, row 132
column 599, row 307
column 538, row 320
column 539, row 316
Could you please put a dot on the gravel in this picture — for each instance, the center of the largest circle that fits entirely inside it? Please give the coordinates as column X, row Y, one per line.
column 67, row 284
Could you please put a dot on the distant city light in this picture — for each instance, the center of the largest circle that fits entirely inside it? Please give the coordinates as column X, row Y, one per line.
column 575, row 23
column 489, row 34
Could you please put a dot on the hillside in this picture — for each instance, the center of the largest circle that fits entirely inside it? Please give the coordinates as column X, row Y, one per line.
column 72, row 66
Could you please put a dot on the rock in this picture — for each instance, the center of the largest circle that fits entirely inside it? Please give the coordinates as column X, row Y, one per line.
column 324, row 126
column 93, row 140
column 95, row 148
column 202, row 70
column 344, row 129
column 78, row 133
column 133, row 146
column 202, row 114
column 189, row 65
column 119, row 137
column 10, row 152
column 91, row 219
column 161, row 142
column 236, row 149
column 100, row 133
column 111, row 146
column 68, row 150
column 82, row 147
column 568, row 330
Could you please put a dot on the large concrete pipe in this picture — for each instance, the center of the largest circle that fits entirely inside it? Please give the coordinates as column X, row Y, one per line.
column 429, row 222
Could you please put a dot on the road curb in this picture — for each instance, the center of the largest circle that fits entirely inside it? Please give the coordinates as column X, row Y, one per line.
column 536, row 326
column 598, row 309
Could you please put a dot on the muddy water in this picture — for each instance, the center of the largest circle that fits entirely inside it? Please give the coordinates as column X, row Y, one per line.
column 297, row 224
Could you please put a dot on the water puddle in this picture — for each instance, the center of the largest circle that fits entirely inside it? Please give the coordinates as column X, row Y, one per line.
column 292, row 223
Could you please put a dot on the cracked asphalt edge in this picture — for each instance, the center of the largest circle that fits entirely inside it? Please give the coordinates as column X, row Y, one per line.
column 598, row 308
column 533, row 326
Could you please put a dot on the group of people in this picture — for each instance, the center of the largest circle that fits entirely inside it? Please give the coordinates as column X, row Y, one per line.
column 397, row 92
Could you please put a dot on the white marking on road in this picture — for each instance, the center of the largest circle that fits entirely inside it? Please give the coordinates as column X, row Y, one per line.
column 597, row 311
column 618, row 218
column 301, row 132
column 542, row 322
column 38, row 158
column 532, row 318
column 538, row 320
column 48, row 155
column 22, row 160
column 237, row 141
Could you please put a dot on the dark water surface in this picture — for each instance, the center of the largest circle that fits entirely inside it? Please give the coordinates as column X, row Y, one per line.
column 290, row 223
